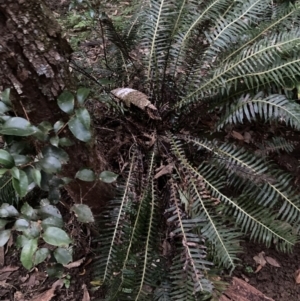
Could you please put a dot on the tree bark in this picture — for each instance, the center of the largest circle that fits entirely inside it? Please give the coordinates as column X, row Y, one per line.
column 34, row 64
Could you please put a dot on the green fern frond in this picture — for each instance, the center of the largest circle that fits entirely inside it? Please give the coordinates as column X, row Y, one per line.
column 234, row 24
column 189, row 268
column 224, row 241
column 114, row 220
column 271, row 108
column 162, row 293
column 7, row 191
column 268, row 60
column 245, row 212
column 276, row 144
column 285, row 14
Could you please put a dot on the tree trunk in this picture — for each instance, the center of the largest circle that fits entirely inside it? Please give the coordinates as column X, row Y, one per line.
column 34, row 64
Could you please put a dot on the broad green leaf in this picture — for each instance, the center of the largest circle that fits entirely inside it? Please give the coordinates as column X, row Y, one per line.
column 21, row 159
column 27, row 253
column 21, row 224
column 82, row 94
column 7, row 210
column 56, row 237
column 50, row 164
column 66, row 102
column 3, row 222
column 58, row 125
column 79, row 130
column 28, row 211
column 108, row 176
column 17, row 126
column 53, row 151
column 15, row 172
column 55, row 271
column 62, row 255
column 85, row 175
column 67, row 180
column 48, row 211
column 36, row 175
column 4, row 108
column 84, row 116
column 40, row 255
column 45, row 126
column 21, row 241
column 52, row 221
column 33, row 231
column 65, row 142
column 83, row 213
column 6, row 159
column 5, row 96
column 4, row 237
column 21, row 185
column 3, row 171
column 54, row 141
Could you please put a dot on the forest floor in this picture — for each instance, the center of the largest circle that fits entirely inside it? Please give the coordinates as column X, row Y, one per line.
column 275, row 274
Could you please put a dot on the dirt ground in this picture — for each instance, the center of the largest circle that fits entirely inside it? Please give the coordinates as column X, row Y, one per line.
column 278, row 283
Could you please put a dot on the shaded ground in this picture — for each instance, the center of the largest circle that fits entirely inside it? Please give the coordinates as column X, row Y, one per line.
column 275, row 282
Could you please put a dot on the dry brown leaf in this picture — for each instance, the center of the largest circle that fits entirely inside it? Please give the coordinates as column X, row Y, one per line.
column 272, row 261
column 245, row 278
column 86, row 295
column 247, row 137
column 8, row 268
column 18, row 296
column 297, row 276
column 47, row 296
column 131, row 96
column 75, row 264
column 164, row 170
column 237, row 135
column 258, row 269
column 260, row 260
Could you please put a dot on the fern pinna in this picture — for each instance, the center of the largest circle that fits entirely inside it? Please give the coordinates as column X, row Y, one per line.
column 188, row 198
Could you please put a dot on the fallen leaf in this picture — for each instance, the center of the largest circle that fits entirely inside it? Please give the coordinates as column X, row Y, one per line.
column 245, row 278
column 75, row 264
column 164, row 170
column 260, row 259
column 297, row 276
column 258, row 269
column 237, row 135
column 86, row 295
column 18, row 296
column 8, row 268
column 47, row 296
column 247, row 137
column 272, row 261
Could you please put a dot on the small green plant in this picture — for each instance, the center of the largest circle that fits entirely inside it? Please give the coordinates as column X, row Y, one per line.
column 39, row 227
column 249, row 269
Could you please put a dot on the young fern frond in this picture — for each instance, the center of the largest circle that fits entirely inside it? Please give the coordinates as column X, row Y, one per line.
column 276, row 108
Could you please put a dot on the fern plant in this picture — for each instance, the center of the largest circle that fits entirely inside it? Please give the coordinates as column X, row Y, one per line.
column 187, row 198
